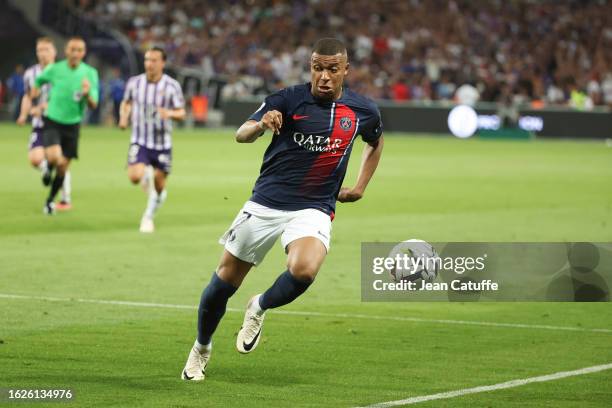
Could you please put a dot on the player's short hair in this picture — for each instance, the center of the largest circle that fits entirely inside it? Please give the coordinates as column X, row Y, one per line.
column 47, row 40
column 329, row 46
column 160, row 50
column 75, row 38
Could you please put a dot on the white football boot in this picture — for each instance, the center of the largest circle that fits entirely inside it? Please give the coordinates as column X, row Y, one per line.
column 195, row 368
column 146, row 225
column 250, row 332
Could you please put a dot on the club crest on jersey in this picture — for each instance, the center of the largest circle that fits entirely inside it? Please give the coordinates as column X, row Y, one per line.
column 346, row 123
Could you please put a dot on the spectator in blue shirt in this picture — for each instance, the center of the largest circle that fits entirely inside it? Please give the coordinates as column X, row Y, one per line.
column 116, row 87
column 16, row 87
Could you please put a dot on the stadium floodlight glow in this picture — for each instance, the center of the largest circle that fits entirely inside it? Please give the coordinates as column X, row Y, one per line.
column 463, row 121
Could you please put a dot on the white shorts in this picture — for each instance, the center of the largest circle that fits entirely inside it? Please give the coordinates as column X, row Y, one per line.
column 257, row 227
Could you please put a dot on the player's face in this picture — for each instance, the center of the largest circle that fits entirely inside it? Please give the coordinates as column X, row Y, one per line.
column 327, row 75
column 75, row 51
column 154, row 63
column 45, row 52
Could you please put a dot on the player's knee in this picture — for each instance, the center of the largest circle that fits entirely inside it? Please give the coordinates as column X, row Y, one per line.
column 62, row 165
column 53, row 159
column 36, row 160
column 303, row 270
column 135, row 177
column 230, row 274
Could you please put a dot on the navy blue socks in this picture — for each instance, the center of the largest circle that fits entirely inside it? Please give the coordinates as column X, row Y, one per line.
column 214, row 299
column 284, row 290
column 212, row 307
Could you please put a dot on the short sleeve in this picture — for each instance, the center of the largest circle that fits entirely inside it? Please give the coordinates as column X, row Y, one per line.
column 276, row 101
column 28, row 80
column 45, row 77
column 372, row 128
column 177, row 100
column 130, row 90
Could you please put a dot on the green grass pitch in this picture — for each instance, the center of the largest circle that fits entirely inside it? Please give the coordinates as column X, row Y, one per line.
column 437, row 189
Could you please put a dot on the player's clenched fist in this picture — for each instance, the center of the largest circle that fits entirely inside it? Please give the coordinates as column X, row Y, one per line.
column 271, row 120
column 123, row 122
column 85, row 86
column 349, row 195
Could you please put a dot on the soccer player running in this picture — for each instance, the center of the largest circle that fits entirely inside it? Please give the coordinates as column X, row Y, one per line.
column 74, row 85
column 45, row 53
column 153, row 100
column 314, row 126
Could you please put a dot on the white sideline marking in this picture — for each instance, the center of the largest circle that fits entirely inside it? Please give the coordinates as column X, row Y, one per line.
column 319, row 314
column 494, row 387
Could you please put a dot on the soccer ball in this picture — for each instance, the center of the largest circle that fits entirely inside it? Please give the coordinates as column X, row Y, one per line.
column 415, row 259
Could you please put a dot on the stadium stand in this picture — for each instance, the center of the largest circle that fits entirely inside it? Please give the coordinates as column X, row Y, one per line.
column 551, row 52
column 523, row 54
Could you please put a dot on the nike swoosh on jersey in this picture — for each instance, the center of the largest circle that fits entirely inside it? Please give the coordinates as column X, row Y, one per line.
column 299, row 117
column 248, row 347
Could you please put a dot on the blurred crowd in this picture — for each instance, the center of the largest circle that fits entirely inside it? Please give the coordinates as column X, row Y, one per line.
column 524, row 52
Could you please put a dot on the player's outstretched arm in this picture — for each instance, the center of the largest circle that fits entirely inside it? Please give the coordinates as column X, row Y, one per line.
column 369, row 161
column 251, row 129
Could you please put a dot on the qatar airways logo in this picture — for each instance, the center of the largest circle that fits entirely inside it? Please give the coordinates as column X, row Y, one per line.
column 316, row 143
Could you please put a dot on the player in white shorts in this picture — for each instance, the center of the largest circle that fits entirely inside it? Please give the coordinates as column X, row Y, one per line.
column 257, row 227
column 314, row 126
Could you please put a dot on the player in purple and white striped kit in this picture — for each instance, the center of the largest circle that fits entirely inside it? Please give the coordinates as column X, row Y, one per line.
column 151, row 100
column 45, row 53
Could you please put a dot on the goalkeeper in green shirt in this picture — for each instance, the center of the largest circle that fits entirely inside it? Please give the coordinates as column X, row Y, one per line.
column 74, row 85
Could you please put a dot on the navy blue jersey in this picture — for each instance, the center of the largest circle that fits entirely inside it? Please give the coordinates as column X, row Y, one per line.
column 305, row 164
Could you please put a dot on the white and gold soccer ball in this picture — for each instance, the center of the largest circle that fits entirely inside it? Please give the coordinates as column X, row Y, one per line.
column 414, row 259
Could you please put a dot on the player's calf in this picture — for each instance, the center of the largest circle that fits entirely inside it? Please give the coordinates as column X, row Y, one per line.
column 283, row 291
column 58, row 182
column 213, row 303
column 53, row 155
column 65, row 203
column 154, row 203
column 36, row 157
